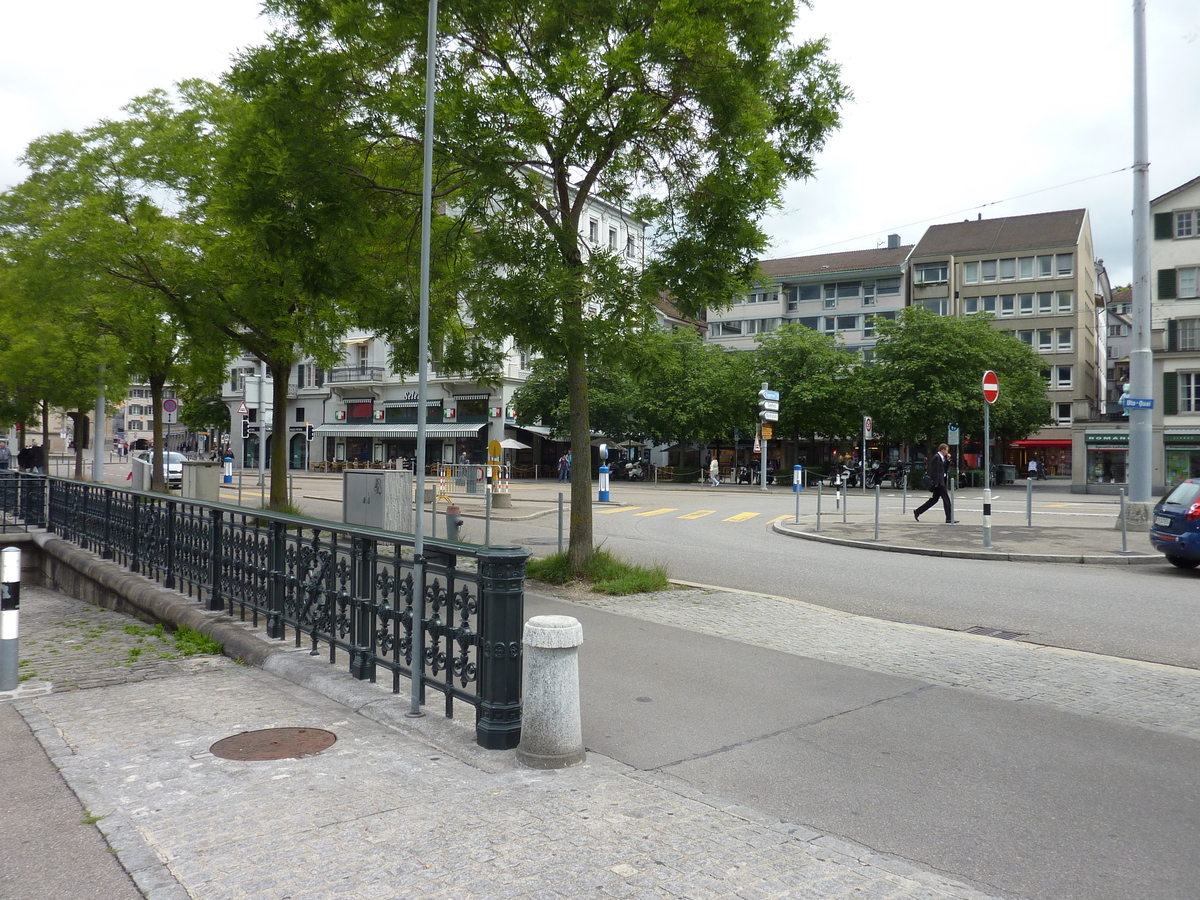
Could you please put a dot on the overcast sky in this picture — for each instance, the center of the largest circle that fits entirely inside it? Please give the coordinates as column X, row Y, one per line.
column 960, row 108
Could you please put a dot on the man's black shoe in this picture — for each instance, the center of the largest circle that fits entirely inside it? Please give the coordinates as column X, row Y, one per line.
column 916, row 516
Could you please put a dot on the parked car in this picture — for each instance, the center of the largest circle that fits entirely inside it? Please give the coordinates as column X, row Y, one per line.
column 1176, row 526
column 172, row 465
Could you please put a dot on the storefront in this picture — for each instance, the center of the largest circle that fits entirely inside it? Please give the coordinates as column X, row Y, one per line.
column 1107, row 457
column 1182, row 455
column 1053, row 456
column 378, row 445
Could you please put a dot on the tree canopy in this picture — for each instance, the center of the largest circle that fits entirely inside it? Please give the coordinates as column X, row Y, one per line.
column 690, row 117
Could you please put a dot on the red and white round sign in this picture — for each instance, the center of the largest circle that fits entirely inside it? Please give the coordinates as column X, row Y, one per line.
column 991, row 386
column 170, row 405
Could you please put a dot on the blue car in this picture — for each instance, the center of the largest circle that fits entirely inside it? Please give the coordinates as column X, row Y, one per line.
column 1176, row 526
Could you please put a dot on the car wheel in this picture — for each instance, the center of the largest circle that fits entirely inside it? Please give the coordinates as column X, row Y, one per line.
column 1182, row 562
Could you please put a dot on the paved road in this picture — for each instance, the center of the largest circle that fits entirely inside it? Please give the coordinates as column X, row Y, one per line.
column 911, row 742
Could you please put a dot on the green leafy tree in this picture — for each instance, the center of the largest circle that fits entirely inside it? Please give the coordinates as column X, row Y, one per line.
column 928, row 373
column 817, row 379
column 691, row 117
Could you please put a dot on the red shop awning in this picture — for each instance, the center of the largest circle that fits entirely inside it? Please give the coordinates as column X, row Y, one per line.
column 1040, row 444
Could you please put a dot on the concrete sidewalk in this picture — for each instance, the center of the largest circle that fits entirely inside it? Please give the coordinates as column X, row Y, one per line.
column 395, row 808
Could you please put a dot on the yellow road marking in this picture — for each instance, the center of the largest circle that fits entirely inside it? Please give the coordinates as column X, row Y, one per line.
column 740, row 517
column 619, row 509
column 658, row 512
column 698, row 514
column 780, row 519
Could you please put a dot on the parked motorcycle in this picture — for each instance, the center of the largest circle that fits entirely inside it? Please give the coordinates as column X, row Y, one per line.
column 634, row 471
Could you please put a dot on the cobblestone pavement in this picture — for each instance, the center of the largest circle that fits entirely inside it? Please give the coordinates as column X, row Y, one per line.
column 66, row 645
column 1146, row 694
column 383, row 813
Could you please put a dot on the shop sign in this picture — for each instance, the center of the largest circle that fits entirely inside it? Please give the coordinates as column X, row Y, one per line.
column 1107, row 440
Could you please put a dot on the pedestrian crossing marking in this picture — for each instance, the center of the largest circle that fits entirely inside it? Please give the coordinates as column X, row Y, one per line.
column 698, row 514
column 780, row 519
column 658, row 512
column 619, row 509
column 740, row 517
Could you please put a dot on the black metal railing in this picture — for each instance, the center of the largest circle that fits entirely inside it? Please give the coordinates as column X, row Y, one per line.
column 345, row 592
column 353, row 374
column 22, row 501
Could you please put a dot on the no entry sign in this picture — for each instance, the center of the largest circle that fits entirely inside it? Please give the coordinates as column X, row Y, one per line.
column 991, row 386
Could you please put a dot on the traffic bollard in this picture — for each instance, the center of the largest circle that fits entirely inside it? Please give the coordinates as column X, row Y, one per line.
column 453, row 521
column 10, row 605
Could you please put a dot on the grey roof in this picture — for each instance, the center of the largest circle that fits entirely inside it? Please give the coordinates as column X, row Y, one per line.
column 832, row 263
column 1011, row 234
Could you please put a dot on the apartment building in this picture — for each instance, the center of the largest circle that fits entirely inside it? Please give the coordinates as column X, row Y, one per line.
column 834, row 293
column 1175, row 293
column 1036, row 274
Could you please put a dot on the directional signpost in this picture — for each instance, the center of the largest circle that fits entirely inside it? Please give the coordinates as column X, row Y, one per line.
column 768, row 411
column 991, row 393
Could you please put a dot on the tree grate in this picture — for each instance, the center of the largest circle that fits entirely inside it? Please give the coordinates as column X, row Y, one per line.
column 994, row 632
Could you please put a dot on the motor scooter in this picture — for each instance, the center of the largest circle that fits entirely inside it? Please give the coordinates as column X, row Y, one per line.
column 634, row 471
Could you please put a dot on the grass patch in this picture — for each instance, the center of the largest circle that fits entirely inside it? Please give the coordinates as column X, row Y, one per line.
column 156, row 631
column 605, row 573
column 190, row 642
column 90, row 819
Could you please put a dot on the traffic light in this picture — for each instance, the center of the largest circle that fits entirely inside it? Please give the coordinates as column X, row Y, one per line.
column 245, row 427
column 768, row 404
column 308, row 431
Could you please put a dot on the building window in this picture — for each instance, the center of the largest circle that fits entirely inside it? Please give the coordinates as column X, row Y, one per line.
column 939, row 306
column 831, row 302
column 1188, row 334
column 1066, row 301
column 1066, row 264
column 725, row 329
column 1189, row 391
column 847, row 323
column 1062, row 376
column 135, row 425
column 1045, row 265
column 593, row 231
column 1008, row 304
column 970, row 272
column 979, row 305
column 1026, row 304
column 1187, row 223
column 813, row 322
column 612, row 239
column 1008, row 269
column 1064, row 340
column 987, row 270
column 630, row 248
column 1062, row 413
column 1186, row 282
column 889, row 286
column 1025, row 267
column 1045, row 303
column 932, row 273
column 810, row 292
column 1045, row 340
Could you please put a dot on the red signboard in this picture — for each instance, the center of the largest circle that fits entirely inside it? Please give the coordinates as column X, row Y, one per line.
column 991, row 386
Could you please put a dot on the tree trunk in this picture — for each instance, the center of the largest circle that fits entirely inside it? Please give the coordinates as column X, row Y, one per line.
column 158, row 479
column 279, row 436
column 580, row 550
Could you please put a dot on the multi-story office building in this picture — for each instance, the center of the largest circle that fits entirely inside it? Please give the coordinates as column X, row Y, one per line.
column 1036, row 274
column 1175, row 289
column 833, row 293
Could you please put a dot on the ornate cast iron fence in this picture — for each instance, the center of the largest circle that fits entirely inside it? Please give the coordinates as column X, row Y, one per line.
column 343, row 591
column 22, row 501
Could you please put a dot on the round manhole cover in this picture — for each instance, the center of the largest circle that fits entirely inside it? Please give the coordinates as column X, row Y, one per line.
column 274, row 743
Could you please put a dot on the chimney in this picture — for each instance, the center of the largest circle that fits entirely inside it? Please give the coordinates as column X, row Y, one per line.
column 893, row 241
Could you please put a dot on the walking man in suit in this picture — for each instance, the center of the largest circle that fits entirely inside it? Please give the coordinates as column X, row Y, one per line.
column 938, row 467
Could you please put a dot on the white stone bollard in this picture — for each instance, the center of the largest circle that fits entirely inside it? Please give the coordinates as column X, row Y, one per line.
column 551, row 729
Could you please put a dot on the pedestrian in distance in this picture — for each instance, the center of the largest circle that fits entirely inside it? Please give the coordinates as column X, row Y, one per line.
column 24, row 456
column 36, row 459
column 1033, row 468
column 5, row 455
column 714, row 473
column 938, row 467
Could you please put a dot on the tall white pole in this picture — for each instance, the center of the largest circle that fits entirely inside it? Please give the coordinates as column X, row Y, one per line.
column 418, row 633
column 1141, row 365
column 262, row 422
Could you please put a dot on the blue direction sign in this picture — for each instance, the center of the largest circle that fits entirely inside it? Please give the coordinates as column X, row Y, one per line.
column 1138, row 402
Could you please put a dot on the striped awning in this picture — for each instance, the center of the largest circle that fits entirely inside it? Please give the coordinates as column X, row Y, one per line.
column 397, row 431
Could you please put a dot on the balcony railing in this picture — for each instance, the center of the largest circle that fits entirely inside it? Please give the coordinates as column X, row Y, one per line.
column 355, row 375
